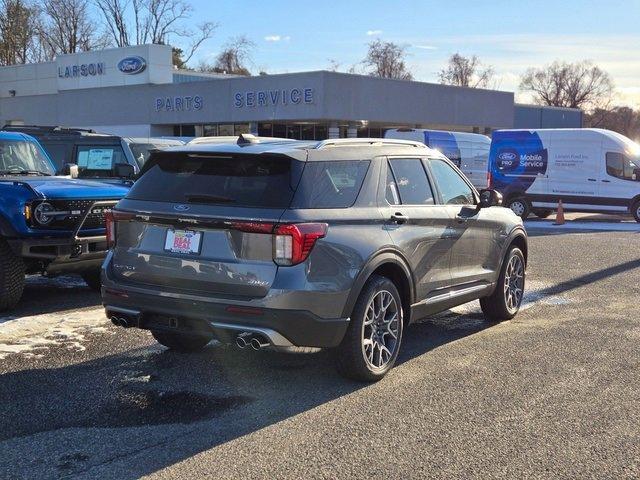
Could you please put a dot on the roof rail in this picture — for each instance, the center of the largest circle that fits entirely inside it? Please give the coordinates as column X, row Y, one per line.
column 364, row 142
column 45, row 129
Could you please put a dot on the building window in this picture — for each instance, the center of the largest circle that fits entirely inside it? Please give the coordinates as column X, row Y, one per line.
column 293, row 131
column 279, row 130
column 225, row 130
column 241, row 128
column 210, row 130
column 321, row 132
column 184, row 130
column 307, row 132
column 265, row 129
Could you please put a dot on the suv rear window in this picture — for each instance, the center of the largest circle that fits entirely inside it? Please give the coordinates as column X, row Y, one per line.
column 330, row 184
column 243, row 181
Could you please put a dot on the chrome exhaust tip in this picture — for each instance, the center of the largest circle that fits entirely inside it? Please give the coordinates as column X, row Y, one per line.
column 243, row 340
column 259, row 342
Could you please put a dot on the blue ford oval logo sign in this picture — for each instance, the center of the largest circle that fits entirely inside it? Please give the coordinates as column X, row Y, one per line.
column 181, row 208
column 507, row 156
column 132, row 65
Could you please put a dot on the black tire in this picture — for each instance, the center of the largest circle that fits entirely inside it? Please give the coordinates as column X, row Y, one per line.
column 544, row 213
column 520, row 206
column 92, row 279
column 351, row 358
column 11, row 277
column 635, row 210
column 182, row 342
column 496, row 306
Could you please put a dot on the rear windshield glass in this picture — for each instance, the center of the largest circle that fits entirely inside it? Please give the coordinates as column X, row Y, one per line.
column 243, row 181
column 333, row 184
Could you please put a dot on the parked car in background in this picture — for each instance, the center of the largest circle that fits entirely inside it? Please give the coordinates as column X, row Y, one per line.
column 589, row 169
column 335, row 244
column 97, row 155
column 141, row 147
column 48, row 224
column 230, row 139
column 468, row 151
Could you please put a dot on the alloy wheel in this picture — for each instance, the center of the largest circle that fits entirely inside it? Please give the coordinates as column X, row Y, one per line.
column 380, row 330
column 514, row 283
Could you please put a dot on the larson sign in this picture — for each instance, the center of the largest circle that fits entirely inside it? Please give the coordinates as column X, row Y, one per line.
column 82, row 70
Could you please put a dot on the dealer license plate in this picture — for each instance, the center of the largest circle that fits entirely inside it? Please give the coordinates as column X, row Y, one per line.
column 183, row 241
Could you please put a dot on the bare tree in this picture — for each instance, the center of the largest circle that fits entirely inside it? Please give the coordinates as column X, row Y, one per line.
column 136, row 22
column 623, row 120
column 386, row 60
column 575, row 85
column 466, row 72
column 18, row 32
column 232, row 59
column 67, row 27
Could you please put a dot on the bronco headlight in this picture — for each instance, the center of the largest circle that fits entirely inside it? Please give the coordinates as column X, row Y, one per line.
column 42, row 213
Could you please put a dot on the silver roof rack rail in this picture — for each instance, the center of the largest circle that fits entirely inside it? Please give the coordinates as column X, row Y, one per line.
column 363, row 142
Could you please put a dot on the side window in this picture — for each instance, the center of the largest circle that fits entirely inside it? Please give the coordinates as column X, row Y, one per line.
column 620, row 166
column 453, row 188
column 411, row 182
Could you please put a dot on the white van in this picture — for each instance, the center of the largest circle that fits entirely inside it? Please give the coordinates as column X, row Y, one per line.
column 469, row 151
column 589, row 169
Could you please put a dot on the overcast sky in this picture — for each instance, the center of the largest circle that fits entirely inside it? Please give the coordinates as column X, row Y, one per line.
column 509, row 35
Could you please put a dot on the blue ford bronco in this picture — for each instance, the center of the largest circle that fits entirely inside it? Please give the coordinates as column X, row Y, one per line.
column 48, row 224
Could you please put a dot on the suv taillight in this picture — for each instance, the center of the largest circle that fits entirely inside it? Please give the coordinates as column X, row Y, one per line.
column 292, row 243
column 110, row 224
column 489, row 179
column 111, row 219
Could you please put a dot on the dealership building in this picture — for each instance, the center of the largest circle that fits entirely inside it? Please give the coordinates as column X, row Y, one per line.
column 136, row 91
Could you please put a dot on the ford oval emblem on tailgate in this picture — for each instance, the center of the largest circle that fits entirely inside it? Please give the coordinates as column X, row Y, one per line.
column 181, row 208
column 132, row 65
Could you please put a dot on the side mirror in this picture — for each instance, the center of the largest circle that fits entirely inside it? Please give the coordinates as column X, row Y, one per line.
column 490, row 198
column 124, row 170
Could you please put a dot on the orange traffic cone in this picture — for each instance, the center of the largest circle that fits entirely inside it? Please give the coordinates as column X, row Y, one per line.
column 559, row 214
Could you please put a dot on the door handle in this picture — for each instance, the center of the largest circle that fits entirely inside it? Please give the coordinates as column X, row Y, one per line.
column 606, row 181
column 591, row 179
column 399, row 218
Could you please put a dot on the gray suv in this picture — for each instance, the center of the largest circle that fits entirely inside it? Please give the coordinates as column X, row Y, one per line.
column 335, row 244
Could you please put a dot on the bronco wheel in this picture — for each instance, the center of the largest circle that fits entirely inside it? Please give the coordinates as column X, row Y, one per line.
column 504, row 302
column 520, row 207
column 92, row 279
column 371, row 344
column 635, row 209
column 181, row 342
column 11, row 277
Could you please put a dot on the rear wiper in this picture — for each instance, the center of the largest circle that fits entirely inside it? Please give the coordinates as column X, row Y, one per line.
column 209, row 199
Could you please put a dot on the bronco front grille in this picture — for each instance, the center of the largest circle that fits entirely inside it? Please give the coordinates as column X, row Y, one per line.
column 69, row 214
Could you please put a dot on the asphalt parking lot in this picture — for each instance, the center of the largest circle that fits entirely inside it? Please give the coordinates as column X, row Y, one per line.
column 554, row 393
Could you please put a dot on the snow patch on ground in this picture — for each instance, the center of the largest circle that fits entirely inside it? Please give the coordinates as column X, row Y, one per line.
column 33, row 335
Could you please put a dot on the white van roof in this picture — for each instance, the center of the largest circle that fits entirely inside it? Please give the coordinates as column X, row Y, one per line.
column 615, row 136
column 459, row 135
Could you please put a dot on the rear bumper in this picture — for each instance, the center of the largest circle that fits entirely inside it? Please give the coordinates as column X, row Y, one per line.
column 157, row 310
